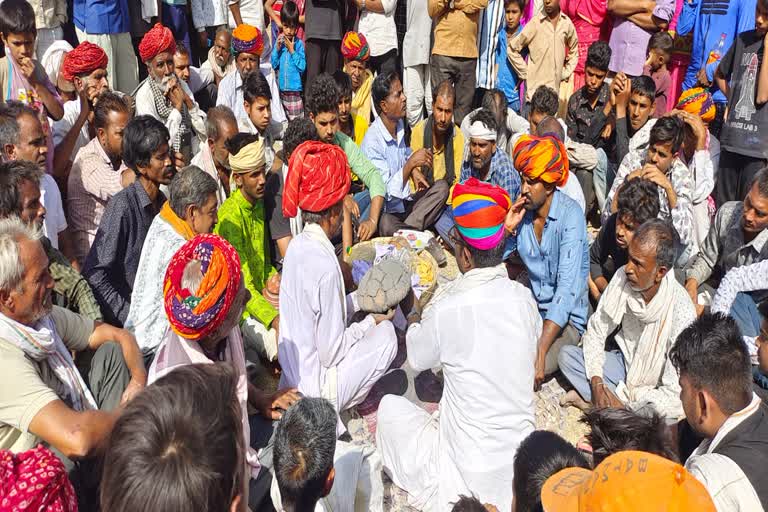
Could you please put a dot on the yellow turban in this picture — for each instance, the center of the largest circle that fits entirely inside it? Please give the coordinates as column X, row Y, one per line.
column 249, row 158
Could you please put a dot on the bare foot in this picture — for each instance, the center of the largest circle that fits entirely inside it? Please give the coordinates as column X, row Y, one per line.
column 572, row 398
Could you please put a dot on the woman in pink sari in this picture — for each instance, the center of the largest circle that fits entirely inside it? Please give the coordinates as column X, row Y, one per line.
column 589, row 18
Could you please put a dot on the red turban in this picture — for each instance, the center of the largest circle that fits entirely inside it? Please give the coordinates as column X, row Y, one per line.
column 159, row 39
column 83, row 60
column 318, row 178
column 35, row 480
column 541, row 158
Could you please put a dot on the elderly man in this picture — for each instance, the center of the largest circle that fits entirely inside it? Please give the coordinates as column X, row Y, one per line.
column 98, row 173
column 165, row 97
column 204, row 296
column 469, row 449
column 384, row 144
column 190, row 211
column 552, row 244
column 355, row 50
column 646, row 308
column 247, row 45
column 213, row 158
column 113, row 260
column 319, row 354
column 220, row 61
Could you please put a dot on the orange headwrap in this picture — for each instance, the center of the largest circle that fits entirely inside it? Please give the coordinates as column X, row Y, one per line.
column 541, row 158
column 318, row 178
column 159, row 39
column 247, row 39
column 83, row 60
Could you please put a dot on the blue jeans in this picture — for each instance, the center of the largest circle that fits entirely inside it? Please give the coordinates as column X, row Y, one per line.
column 600, row 178
column 363, row 200
column 571, row 361
column 744, row 311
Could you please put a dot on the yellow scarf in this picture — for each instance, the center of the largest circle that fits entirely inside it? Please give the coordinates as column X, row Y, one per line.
column 176, row 222
column 361, row 100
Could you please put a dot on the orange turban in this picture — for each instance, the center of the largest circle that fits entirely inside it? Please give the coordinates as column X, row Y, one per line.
column 247, row 39
column 83, row 60
column 541, row 158
column 159, row 39
column 318, row 178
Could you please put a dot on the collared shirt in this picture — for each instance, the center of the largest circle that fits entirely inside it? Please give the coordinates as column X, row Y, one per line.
column 242, row 224
column 506, row 78
column 231, row 94
column 605, row 255
column 102, row 16
column 724, row 247
column 438, row 155
column 91, row 184
column 584, row 122
column 455, row 32
column 491, row 23
column 146, row 317
column 630, row 42
column 389, row 155
column 70, row 289
column 49, row 13
column 61, row 128
column 558, row 266
column 113, row 260
column 553, row 52
column 502, row 173
column 417, row 35
column 209, row 13
column 379, row 28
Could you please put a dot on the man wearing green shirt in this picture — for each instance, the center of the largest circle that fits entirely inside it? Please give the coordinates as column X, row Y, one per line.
column 242, row 224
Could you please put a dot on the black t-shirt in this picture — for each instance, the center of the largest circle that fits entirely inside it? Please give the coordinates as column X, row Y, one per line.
column 745, row 130
column 324, row 20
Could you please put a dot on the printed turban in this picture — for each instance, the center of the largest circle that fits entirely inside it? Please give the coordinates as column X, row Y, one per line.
column 193, row 314
column 159, row 39
column 699, row 102
column 249, row 158
column 479, row 210
column 83, row 60
column 541, row 158
column 35, row 480
column 318, row 178
column 354, row 46
column 247, row 39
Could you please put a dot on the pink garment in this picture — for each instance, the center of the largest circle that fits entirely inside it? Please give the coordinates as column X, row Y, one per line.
column 589, row 18
column 681, row 58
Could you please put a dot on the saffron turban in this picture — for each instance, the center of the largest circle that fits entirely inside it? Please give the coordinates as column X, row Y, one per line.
column 354, row 46
column 249, row 158
column 35, row 480
column 247, row 39
column 541, row 158
column 479, row 210
column 193, row 314
column 699, row 102
column 318, row 178
column 159, row 39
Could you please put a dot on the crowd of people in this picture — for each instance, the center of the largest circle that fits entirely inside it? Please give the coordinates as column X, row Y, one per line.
column 182, row 182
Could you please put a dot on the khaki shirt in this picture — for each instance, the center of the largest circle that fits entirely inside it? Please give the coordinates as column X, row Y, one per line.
column 456, row 27
column 26, row 386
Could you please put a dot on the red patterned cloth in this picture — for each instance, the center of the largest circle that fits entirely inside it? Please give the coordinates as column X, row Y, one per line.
column 318, row 178
column 83, row 60
column 159, row 39
column 35, row 480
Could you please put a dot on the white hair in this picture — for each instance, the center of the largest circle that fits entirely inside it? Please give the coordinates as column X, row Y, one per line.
column 12, row 232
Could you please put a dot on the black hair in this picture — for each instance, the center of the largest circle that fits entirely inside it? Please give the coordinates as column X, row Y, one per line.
column 142, row 137
column 644, row 86
column 488, row 258
column 637, row 201
column 712, row 355
column 239, row 141
column 109, row 102
column 661, row 41
column 17, row 17
column 598, row 56
column 549, row 125
column 343, row 84
column 298, row 130
column 255, row 86
column 468, row 504
column 446, row 90
column 289, row 14
column 181, row 49
column 10, row 112
column 520, row 3
column 322, row 95
column 539, row 456
column 382, row 86
column 667, row 130
column 545, row 101
column 659, row 234
column 618, row 430
column 216, row 116
column 12, row 174
column 495, row 101
column 761, row 180
column 486, row 117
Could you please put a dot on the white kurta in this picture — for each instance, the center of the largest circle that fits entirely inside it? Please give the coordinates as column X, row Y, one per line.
column 482, row 332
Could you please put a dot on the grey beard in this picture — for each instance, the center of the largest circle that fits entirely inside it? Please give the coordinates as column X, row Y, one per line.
column 163, row 82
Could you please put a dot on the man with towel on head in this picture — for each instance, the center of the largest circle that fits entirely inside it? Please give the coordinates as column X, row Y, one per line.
column 319, row 354
column 487, row 406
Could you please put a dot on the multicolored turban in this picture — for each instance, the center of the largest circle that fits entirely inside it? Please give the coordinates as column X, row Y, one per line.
column 354, row 46
column 193, row 314
column 541, row 158
column 83, row 60
column 698, row 101
column 35, row 480
column 249, row 158
column 318, row 178
column 479, row 210
column 247, row 39
column 159, row 39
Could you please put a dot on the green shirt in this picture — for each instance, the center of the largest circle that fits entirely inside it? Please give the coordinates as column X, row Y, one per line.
column 70, row 289
column 242, row 225
column 361, row 166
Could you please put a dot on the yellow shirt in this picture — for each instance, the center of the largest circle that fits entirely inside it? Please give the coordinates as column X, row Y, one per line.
column 456, row 28
column 438, row 155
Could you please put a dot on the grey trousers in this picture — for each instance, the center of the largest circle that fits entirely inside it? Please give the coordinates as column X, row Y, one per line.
column 568, row 336
column 461, row 72
column 420, row 214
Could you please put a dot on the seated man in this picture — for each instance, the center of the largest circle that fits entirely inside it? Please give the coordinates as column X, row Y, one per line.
column 737, row 282
column 644, row 308
column 220, row 60
column 257, row 101
column 318, row 353
column 201, row 85
column 351, row 125
column 508, row 122
column 190, row 211
column 661, row 164
column 246, row 48
column 634, row 107
column 487, row 161
column 204, row 297
column 574, row 187
column 113, row 260
column 384, row 144
column 220, row 126
column 716, row 390
column 165, row 97
column 242, row 222
column 356, row 52
column 552, row 244
column 470, row 448
column 638, row 201
column 590, row 107
column 20, row 182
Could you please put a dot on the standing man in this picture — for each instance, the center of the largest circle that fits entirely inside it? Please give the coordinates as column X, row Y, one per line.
column 491, row 23
column 377, row 22
column 50, row 15
column 323, row 29
column 633, row 24
column 416, row 75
